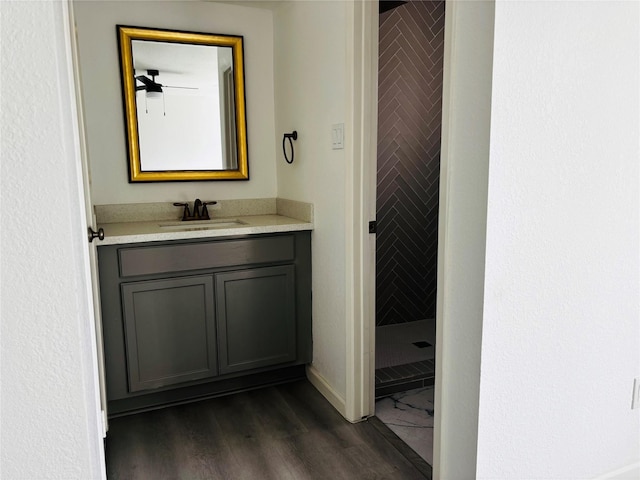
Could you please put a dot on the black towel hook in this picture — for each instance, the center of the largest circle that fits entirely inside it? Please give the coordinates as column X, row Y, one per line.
column 291, row 136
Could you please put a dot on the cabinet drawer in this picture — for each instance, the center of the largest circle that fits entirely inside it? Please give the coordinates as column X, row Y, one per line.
column 193, row 256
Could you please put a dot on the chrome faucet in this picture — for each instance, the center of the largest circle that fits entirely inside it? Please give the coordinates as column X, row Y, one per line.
column 200, row 211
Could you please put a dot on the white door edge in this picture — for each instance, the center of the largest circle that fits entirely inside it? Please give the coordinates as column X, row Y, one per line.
column 95, row 324
column 362, row 111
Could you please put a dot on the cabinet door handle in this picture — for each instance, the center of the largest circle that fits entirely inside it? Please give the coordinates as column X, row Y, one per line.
column 99, row 234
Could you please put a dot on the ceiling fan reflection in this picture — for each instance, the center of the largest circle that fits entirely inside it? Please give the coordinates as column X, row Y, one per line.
column 154, row 89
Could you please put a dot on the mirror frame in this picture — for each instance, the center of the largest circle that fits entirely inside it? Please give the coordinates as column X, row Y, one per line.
column 126, row 34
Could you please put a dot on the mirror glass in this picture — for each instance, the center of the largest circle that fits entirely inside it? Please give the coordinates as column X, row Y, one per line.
column 184, row 105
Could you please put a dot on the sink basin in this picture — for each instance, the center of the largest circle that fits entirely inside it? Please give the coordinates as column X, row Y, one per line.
column 202, row 224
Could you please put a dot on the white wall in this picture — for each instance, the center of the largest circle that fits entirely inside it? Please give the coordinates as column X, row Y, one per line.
column 310, row 68
column 561, row 332
column 49, row 425
column 97, row 22
column 461, row 233
column 163, row 138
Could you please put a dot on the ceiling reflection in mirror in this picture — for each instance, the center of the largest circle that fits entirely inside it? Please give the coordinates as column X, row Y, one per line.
column 184, row 105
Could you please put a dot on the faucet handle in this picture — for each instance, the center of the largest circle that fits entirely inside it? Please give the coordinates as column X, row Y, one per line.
column 185, row 213
column 205, row 212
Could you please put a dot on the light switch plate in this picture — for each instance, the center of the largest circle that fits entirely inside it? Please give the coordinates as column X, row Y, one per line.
column 337, row 136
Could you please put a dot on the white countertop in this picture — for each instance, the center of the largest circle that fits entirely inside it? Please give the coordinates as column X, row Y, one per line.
column 134, row 232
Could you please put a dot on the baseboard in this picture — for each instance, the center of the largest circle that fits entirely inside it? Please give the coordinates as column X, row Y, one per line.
column 630, row 472
column 326, row 390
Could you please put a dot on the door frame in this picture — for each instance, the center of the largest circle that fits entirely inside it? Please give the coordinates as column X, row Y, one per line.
column 362, row 116
column 464, row 166
column 362, row 126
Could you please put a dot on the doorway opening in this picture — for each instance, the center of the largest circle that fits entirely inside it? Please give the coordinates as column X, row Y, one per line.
column 410, row 80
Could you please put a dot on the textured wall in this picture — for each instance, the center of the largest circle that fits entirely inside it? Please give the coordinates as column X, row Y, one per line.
column 409, row 119
column 49, row 416
column 561, row 330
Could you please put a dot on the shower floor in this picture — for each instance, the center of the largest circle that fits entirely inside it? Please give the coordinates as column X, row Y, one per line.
column 410, row 416
column 405, row 356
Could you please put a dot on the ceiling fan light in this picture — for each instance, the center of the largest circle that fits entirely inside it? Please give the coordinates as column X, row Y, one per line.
column 154, row 94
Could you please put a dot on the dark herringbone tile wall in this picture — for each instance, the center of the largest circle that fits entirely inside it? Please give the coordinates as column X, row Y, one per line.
column 409, row 121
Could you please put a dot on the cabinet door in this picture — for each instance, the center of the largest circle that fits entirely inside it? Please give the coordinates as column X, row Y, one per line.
column 170, row 333
column 256, row 318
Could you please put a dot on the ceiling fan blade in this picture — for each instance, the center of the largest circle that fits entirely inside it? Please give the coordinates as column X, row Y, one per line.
column 146, row 80
column 184, row 88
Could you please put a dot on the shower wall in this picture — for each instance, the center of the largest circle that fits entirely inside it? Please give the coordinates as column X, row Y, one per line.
column 408, row 173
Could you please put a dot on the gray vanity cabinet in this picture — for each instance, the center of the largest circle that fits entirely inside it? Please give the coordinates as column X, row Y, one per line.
column 194, row 318
column 170, row 331
column 260, row 332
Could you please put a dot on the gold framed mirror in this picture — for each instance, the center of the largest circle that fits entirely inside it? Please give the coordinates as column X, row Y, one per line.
column 184, row 105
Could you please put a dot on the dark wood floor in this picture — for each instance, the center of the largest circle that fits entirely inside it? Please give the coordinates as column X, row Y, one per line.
column 284, row 432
